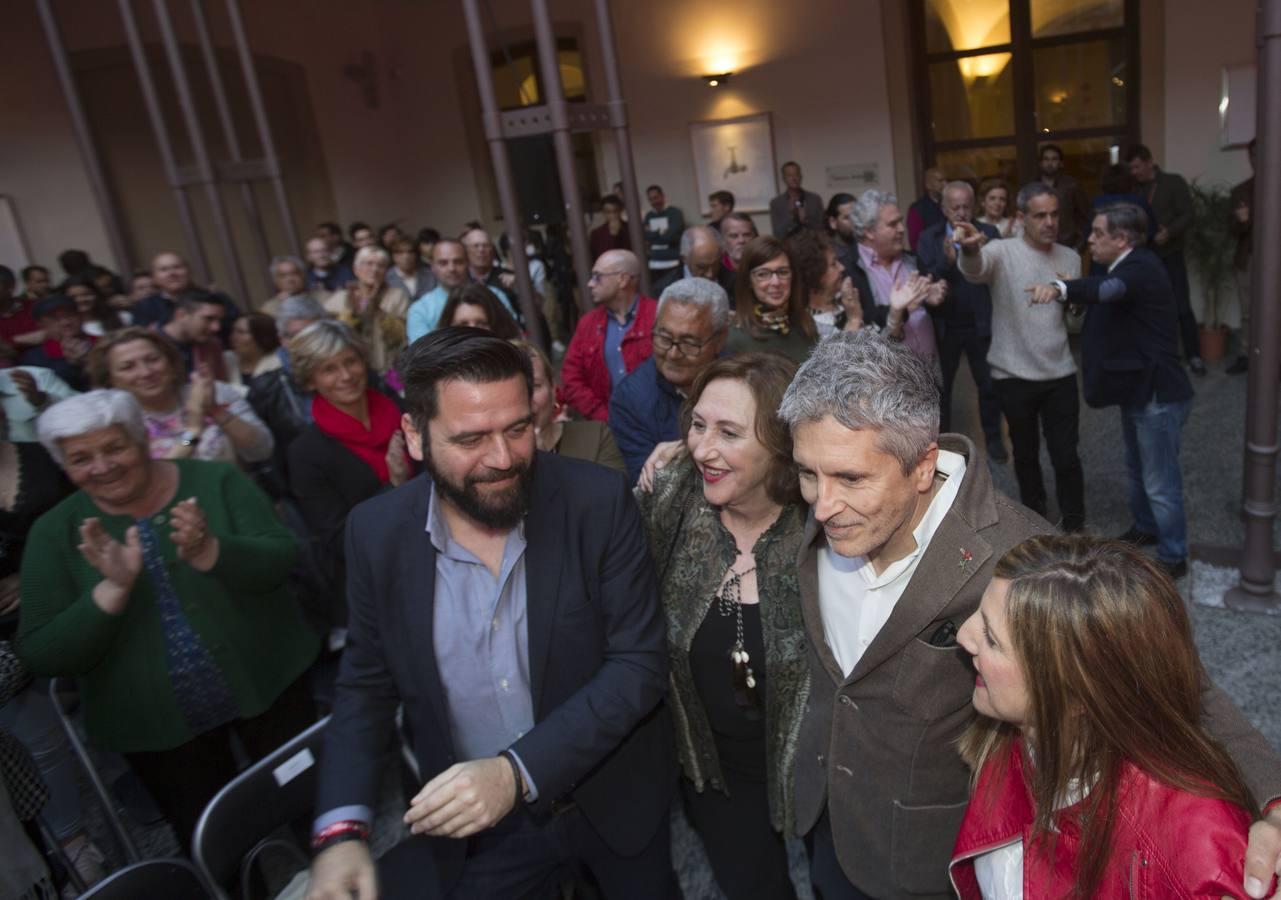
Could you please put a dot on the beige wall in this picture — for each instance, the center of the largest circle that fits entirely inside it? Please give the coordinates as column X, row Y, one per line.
column 824, row 76
column 1200, row 39
column 410, row 159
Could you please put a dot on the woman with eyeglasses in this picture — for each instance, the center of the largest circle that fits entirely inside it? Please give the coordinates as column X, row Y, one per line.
column 770, row 301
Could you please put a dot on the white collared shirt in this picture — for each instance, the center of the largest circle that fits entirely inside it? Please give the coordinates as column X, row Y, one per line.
column 854, row 601
column 1116, row 262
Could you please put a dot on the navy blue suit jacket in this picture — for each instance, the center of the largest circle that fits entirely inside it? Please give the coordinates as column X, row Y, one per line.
column 597, row 657
column 968, row 305
column 1130, row 339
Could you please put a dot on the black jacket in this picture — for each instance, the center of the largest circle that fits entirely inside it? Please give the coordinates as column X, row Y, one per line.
column 1130, row 339
column 968, row 306
column 326, row 481
column 597, row 658
column 725, row 279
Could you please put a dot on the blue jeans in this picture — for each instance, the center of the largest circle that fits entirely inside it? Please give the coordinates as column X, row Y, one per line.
column 32, row 719
column 1156, row 481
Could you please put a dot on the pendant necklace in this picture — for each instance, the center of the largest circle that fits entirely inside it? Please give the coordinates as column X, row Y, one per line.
column 729, row 603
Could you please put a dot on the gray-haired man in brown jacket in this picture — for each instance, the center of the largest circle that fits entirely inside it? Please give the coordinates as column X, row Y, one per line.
column 904, row 533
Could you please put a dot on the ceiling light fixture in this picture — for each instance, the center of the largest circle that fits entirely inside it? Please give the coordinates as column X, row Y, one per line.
column 717, row 80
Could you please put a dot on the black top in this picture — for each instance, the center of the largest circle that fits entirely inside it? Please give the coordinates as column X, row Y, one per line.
column 41, row 486
column 740, row 739
column 326, row 480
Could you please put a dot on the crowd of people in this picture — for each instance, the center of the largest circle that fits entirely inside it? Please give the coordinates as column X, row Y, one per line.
column 716, row 545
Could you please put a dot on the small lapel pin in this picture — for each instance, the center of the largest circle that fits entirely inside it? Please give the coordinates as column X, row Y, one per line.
column 966, row 558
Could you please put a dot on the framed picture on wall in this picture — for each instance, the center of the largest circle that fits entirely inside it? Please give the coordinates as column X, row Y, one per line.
column 735, row 155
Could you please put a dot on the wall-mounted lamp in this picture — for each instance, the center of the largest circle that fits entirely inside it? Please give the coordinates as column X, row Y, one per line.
column 718, row 80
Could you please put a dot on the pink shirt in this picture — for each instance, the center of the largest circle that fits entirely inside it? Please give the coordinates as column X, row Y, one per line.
column 918, row 331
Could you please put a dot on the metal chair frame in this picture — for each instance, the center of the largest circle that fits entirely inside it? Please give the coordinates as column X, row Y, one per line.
column 86, row 762
column 231, row 794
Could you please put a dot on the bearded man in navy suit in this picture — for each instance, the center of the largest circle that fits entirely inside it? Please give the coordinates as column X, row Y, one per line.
column 507, row 599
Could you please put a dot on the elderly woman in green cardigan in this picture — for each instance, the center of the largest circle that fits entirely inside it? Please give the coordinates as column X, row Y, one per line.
column 724, row 524
column 161, row 586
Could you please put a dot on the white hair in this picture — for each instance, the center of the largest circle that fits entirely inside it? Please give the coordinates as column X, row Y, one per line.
column 867, row 382
column 959, row 186
column 372, row 250
column 867, row 209
column 88, row 412
column 698, row 292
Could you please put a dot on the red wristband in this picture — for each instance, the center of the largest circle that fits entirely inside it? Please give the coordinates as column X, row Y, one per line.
column 346, row 828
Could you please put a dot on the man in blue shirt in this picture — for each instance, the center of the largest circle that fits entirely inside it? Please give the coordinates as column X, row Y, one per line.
column 449, row 265
column 506, row 601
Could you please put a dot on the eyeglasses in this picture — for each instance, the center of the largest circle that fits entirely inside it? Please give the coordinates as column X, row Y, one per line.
column 765, row 276
column 687, row 346
column 599, row 276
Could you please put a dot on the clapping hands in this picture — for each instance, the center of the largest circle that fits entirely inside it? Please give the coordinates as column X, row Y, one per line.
column 196, row 546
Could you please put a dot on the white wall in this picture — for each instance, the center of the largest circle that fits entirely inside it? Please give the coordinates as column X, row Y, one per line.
column 1200, row 39
column 410, row 158
column 821, row 74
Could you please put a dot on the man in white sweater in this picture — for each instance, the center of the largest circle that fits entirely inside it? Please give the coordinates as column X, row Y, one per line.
column 1032, row 368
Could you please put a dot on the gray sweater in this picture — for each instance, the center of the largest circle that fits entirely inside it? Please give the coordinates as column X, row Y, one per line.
column 1028, row 342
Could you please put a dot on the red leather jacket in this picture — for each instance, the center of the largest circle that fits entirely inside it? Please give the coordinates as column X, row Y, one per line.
column 1165, row 842
column 584, row 379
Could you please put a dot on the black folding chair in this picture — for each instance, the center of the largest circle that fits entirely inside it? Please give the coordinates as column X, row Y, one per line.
column 172, row 879
column 253, row 812
column 66, row 700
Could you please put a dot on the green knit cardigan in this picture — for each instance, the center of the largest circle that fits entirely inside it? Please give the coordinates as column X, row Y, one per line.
column 242, row 609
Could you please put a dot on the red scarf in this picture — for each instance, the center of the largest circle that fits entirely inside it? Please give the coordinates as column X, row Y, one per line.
column 370, row 445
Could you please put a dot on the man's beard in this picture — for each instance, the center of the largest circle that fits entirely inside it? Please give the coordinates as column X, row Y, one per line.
column 501, row 510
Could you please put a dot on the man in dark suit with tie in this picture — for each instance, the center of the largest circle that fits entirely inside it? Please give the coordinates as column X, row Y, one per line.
column 506, row 598
column 1130, row 356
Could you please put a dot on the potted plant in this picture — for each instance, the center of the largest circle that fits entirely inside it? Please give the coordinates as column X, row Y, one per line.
column 1209, row 246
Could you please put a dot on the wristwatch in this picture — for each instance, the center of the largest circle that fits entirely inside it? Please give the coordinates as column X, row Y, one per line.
column 188, row 438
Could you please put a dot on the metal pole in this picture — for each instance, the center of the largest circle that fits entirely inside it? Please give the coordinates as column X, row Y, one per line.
column 228, row 126
column 84, row 137
column 264, row 126
column 195, row 133
column 549, row 66
column 1256, row 592
column 622, row 138
column 503, row 173
column 154, row 112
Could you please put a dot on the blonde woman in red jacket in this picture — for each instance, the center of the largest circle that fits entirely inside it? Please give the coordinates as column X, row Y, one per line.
column 1094, row 775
